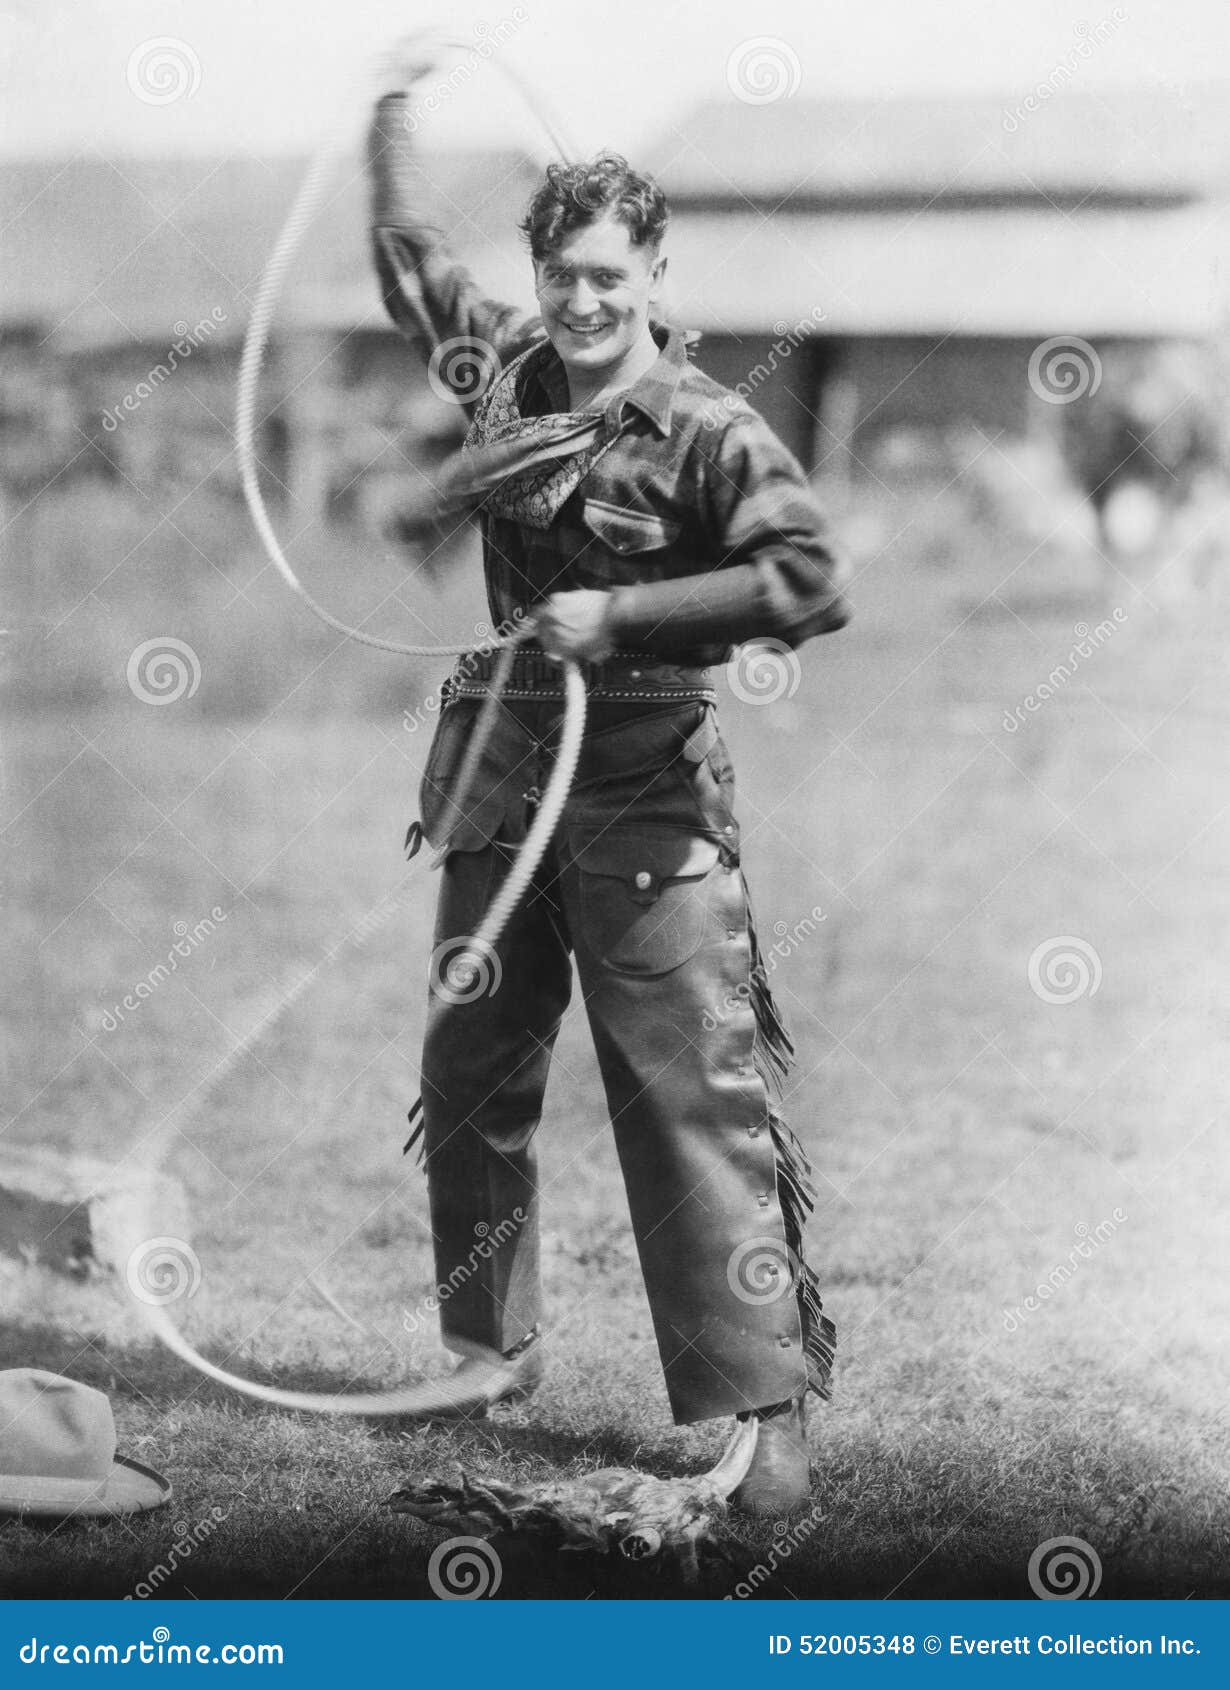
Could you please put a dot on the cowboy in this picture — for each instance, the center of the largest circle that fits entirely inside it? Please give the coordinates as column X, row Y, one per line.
column 643, row 521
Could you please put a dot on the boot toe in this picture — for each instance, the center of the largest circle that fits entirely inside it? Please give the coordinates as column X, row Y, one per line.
column 779, row 1479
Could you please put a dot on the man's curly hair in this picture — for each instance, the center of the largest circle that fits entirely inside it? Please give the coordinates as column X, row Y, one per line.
column 575, row 195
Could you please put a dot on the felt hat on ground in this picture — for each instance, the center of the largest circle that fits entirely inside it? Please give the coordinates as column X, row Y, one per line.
column 57, row 1452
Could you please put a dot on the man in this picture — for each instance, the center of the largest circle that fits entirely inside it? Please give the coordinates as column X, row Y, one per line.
column 645, row 521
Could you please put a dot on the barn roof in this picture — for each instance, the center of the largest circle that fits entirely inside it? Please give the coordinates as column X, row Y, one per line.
column 1089, row 214
column 1133, row 144
column 1093, row 213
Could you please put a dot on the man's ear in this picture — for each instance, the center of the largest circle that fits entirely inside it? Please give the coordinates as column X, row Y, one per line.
column 657, row 277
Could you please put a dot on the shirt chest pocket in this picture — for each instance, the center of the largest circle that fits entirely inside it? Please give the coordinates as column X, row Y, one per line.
column 622, row 545
column 644, row 895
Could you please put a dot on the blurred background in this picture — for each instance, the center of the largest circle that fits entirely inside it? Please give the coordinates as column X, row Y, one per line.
column 932, row 245
column 971, row 263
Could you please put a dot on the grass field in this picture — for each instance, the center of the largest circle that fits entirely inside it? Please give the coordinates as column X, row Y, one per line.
column 975, row 1141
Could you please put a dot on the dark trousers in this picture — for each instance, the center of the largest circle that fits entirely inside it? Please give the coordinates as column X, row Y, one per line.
column 642, row 886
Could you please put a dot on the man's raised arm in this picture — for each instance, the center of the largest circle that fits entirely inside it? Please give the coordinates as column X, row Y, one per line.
column 431, row 298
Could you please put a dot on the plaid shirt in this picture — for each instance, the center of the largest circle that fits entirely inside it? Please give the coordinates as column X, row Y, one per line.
column 697, row 520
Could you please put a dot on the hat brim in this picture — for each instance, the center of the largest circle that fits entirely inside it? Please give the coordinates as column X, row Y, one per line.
column 129, row 1488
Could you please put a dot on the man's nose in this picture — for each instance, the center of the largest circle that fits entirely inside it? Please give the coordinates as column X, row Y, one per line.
column 582, row 300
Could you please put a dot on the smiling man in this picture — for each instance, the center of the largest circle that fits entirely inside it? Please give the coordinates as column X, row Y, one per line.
column 645, row 521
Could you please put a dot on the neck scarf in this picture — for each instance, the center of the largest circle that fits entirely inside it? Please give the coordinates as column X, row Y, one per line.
column 524, row 468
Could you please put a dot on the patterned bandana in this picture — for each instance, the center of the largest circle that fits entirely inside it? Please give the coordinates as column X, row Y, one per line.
column 520, row 467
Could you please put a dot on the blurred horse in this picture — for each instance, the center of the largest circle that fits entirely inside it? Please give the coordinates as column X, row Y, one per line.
column 1148, row 447
column 1135, row 475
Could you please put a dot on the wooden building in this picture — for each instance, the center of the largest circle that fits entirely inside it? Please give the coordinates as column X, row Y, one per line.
column 894, row 264
column 858, row 268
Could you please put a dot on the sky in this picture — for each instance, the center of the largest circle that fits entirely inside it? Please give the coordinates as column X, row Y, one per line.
column 212, row 76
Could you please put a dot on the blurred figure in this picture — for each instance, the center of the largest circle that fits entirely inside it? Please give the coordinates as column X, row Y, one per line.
column 1148, row 447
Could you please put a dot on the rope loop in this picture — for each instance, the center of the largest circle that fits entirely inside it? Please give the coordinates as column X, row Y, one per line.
column 406, row 1398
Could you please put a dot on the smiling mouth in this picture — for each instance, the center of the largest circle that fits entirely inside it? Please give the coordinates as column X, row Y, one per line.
column 586, row 328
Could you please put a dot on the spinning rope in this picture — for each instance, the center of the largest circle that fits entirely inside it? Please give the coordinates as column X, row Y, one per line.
column 399, row 1400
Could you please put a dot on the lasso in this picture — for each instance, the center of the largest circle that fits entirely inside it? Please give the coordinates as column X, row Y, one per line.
column 404, row 1399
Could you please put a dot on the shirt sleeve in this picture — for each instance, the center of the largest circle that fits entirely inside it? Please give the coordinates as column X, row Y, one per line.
column 431, row 298
column 777, row 573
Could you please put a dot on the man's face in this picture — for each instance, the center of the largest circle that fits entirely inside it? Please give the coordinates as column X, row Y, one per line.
column 595, row 290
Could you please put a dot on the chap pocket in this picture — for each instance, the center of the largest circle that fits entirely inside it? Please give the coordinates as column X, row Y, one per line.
column 467, row 829
column 644, row 897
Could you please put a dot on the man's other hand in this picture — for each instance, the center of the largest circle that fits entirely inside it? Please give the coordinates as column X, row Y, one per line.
column 411, row 58
column 576, row 625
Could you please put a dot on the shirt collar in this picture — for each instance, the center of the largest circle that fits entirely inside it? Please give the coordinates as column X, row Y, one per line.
column 652, row 394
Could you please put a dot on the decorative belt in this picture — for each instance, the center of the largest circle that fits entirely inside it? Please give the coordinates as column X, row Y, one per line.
column 625, row 675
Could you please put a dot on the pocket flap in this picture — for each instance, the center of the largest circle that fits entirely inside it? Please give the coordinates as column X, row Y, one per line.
column 643, row 857
column 469, row 831
column 701, row 741
column 628, row 531
column 496, row 792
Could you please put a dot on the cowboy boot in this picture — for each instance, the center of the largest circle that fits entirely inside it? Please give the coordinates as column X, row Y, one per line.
column 779, row 1478
column 478, row 1383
